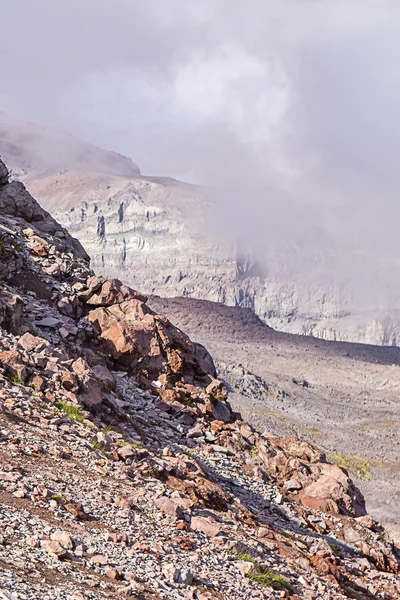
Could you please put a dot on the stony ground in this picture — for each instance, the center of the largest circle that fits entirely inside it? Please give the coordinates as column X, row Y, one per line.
column 84, row 514
column 124, row 471
column 343, row 397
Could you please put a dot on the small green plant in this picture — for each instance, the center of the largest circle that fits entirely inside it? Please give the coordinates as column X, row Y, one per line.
column 269, row 579
column 1, row 248
column 337, row 551
column 152, row 471
column 185, row 401
column 98, row 447
column 16, row 246
column 58, row 497
column 17, row 380
column 246, row 557
column 287, row 534
column 254, row 451
column 188, row 453
column 219, row 398
column 73, row 411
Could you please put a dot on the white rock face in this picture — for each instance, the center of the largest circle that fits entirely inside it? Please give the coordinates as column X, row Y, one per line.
column 164, row 237
column 155, row 236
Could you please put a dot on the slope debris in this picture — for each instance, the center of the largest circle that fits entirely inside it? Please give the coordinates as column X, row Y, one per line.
column 124, row 470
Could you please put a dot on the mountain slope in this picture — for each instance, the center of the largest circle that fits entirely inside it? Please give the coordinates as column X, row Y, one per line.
column 111, row 489
column 342, row 396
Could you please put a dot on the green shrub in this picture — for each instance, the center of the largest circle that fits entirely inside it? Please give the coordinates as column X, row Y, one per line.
column 269, row 579
column 245, row 556
column 73, row 411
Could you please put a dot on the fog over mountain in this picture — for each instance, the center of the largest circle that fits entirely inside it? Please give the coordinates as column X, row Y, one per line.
column 304, row 92
column 289, row 108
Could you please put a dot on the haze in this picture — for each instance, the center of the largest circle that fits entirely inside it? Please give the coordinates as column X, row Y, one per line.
column 297, row 95
column 291, row 91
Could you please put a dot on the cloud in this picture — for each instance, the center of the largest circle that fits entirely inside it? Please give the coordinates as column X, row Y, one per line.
column 302, row 95
column 305, row 85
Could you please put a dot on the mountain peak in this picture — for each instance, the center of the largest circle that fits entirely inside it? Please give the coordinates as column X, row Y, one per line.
column 33, row 150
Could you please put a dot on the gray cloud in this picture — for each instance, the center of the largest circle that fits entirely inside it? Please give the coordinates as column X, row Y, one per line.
column 298, row 94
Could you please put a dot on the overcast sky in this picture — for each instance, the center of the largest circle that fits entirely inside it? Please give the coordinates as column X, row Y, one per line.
column 303, row 94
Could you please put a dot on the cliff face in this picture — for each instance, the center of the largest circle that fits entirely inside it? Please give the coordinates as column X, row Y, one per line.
column 158, row 238
column 124, row 470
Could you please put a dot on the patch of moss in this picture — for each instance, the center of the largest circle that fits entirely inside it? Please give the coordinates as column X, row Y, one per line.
column 57, row 497
column 337, row 551
column 18, row 380
column 73, row 411
column 269, row 579
column 98, row 447
column 287, row 534
column 246, row 557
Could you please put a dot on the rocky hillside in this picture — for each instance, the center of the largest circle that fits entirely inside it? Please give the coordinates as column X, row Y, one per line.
column 124, row 469
column 341, row 396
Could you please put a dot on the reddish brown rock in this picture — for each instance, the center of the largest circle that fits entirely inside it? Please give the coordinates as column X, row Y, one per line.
column 29, row 342
column 76, row 510
column 170, row 506
column 54, row 548
column 112, row 291
column 12, row 362
column 138, row 339
column 205, row 525
column 322, row 486
column 63, row 538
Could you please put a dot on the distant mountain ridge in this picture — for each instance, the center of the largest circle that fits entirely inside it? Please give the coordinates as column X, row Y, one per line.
column 33, row 151
column 170, row 238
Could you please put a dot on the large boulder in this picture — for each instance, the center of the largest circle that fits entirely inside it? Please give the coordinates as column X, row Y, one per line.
column 299, row 466
column 136, row 338
column 110, row 291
